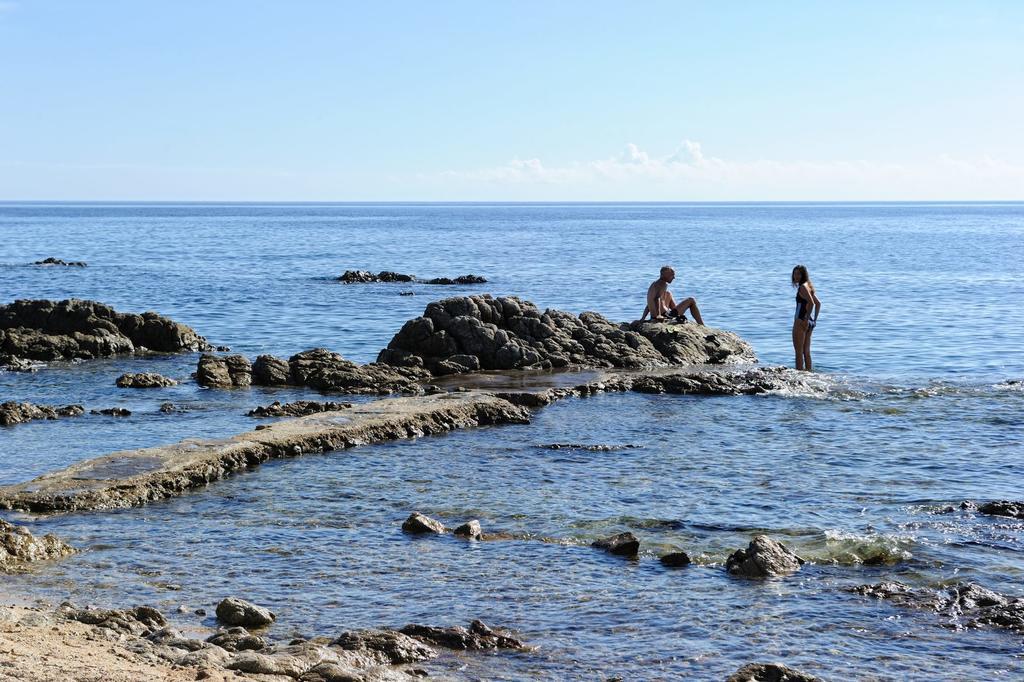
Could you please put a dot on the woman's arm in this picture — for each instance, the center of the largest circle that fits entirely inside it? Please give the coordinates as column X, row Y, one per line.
column 815, row 300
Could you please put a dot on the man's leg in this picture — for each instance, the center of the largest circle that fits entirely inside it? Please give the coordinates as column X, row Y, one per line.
column 691, row 305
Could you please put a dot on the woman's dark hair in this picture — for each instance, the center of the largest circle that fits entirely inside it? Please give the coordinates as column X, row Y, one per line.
column 800, row 275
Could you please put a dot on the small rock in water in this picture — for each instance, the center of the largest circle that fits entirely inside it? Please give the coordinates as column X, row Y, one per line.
column 167, row 408
column 145, row 380
column 18, row 546
column 228, row 371
column 763, row 558
column 57, row 261
column 407, row 293
column 470, row 529
column 464, row 279
column 623, row 544
column 235, row 611
column 366, row 277
column 418, row 523
column 113, row 412
column 12, row 412
column 770, row 672
column 676, row 559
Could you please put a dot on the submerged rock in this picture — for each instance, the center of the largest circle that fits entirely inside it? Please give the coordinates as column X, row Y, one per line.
column 1003, row 508
column 76, row 329
column 58, row 261
column 113, row 412
column 587, row 447
column 770, row 672
column 145, row 380
column 623, row 544
column 12, row 412
column 478, row 636
column 470, row 529
column 467, row 333
column 419, row 523
column 224, row 371
column 235, row 611
column 963, row 603
column 763, row 558
column 18, row 546
column 299, row 408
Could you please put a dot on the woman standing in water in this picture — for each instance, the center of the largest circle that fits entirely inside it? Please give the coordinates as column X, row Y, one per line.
column 804, row 320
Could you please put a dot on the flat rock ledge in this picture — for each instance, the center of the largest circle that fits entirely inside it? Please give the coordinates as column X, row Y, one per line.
column 134, row 477
column 76, row 329
column 12, row 412
column 763, row 558
column 963, row 604
column 18, row 547
column 770, row 672
column 139, row 643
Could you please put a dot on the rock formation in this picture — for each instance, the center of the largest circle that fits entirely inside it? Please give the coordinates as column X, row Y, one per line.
column 1013, row 510
column 477, row 636
column 18, row 546
column 145, row 380
column 12, row 412
column 75, row 329
column 366, row 277
column 469, row 333
column 770, row 672
column 58, row 261
column 470, row 529
column 763, row 558
column 964, row 602
column 675, row 559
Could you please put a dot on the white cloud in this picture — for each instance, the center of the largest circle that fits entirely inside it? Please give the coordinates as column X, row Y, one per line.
column 687, row 173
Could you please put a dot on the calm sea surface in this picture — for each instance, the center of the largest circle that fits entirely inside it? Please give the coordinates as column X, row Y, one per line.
column 917, row 404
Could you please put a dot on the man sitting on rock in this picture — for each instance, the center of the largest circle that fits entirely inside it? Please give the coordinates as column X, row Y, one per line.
column 662, row 306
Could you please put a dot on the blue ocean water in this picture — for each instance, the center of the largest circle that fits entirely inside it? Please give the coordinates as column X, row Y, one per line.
column 916, row 405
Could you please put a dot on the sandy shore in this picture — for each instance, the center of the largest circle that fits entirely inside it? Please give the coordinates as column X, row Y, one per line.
column 35, row 647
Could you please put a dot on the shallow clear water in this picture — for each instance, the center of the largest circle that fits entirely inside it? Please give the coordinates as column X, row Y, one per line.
column 913, row 410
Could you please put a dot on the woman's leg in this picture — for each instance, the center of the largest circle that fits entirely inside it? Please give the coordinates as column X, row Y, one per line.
column 799, row 332
column 807, row 348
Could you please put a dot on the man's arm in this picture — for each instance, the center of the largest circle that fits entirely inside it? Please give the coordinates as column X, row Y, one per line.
column 654, row 300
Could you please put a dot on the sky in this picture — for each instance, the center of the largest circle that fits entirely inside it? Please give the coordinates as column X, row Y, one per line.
column 311, row 100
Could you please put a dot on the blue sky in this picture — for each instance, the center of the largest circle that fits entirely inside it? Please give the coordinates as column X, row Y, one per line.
column 306, row 100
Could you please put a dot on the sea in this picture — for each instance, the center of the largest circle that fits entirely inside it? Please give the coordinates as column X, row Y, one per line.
column 916, row 404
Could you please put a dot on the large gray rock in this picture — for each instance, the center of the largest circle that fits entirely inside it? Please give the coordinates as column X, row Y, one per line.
column 76, row 329
column 470, row 529
column 18, row 546
column 224, row 371
column 763, row 558
column 509, row 333
column 12, row 412
column 235, row 611
column 770, row 672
